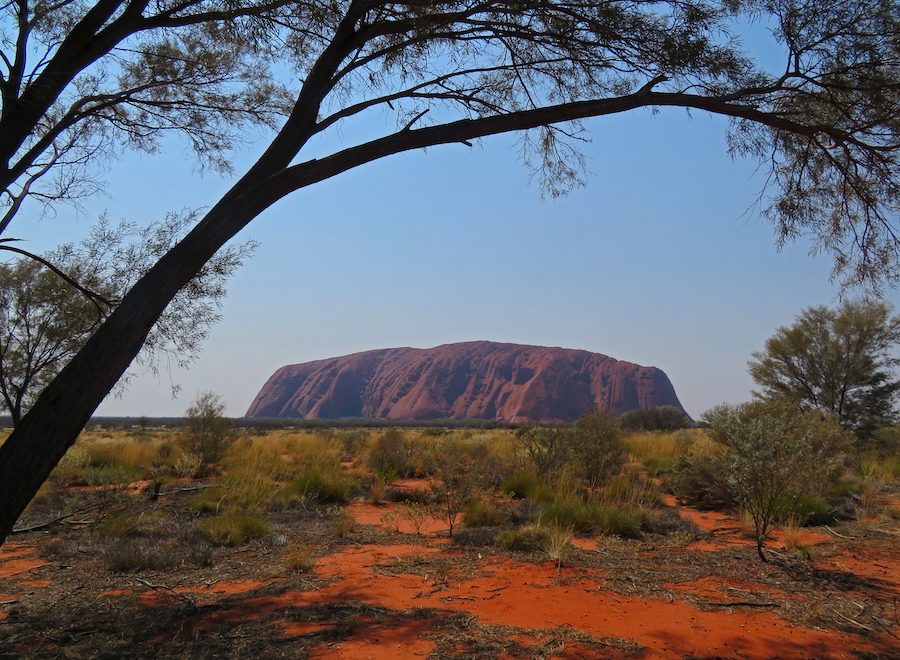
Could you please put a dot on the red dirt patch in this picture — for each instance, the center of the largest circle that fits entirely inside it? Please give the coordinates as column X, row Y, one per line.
column 19, row 558
column 719, row 590
column 380, row 642
column 588, row 545
column 391, row 517
column 876, row 569
column 303, row 628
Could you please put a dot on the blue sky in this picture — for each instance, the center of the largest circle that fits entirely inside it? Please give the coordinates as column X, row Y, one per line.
column 661, row 260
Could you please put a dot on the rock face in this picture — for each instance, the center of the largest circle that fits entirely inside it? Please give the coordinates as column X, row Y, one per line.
column 481, row 380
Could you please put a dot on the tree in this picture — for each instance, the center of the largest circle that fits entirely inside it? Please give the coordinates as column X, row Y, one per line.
column 775, row 454
column 79, row 78
column 454, row 72
column 661, row 418
column 836, row 361
column 44, row 320
column 206, row 429
column 597, row 449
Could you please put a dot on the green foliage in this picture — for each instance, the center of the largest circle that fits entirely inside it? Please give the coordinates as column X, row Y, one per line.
column 596, row 518
column 530, row 538
column 206, row 430
column 662, row 418
column 332, row 487
column 235, row 527
column 775, row 455
column 521, row 484
column 597, row 449
column 43, row 322
column 803, row 509
column 208, row 500
column 593, row 449
column 481, row 512
column 392, row 453
column 632, row 489
column 837, row 361
column 702, row 481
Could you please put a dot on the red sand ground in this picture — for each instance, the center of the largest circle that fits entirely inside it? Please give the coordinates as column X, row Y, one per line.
column 503, row 591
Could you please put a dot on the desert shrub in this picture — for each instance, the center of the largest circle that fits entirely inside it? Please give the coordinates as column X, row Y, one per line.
column 452, row 488
column 300, row 558
column 521, row 484
column 476, row 537
column 557, row 544
column 379, row 488
column 631, row 489
column 235, row 527
column 322, row 486
column 662, row 418
column 416, row 515
column 548, row 449
column 802, row 509
column 597, row 449
column 206, row 432
column 702, row 481
column 595, row 518
column 530, row 538
column 409, row 495
column 390, row 452
column 775, row 454
column 343, row 521
column 482, row 512
column 126, row 555
column 883, row 442
column 187, row 464
column 119, row 525
column 208, row 500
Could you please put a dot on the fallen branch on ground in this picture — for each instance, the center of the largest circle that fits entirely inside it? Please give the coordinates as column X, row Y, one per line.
column 34, row 528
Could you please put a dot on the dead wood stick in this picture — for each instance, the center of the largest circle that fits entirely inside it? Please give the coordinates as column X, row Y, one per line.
column 34, row 528
column 168, row 589
column 185, row 490
column 855, row 623
column 8, row 602
column 840, row 536
column 739, row 603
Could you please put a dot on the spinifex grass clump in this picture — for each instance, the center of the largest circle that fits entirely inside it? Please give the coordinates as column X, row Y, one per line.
column 235, row 527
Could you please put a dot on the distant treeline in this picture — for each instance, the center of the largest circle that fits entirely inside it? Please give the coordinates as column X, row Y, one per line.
column 651, row 419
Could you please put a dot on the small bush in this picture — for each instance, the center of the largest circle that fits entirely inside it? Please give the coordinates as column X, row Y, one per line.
column 521, row 485
column 207, row 431
column 525, row 539
column 392, row 452
column 235, row 527
column 596, row 518
column 208, row 500
column 632, row 489
column 803, row 509
column 483, row 513
column 331, row 487
column 475, row 537
column 138, row 554
column 300, row 558
column 663, row 418
column 702, row 481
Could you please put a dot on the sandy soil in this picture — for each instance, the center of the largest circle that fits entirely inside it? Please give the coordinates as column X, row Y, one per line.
column 383, row 591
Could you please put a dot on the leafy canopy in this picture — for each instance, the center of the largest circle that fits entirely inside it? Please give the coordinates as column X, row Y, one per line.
column 45, row 320
column 838, row 361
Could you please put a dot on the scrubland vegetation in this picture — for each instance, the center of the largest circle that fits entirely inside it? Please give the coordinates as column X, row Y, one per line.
column 154, row 507
column 525, row 490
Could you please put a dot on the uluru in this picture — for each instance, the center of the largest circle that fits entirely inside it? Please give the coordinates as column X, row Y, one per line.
column 469, row 380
